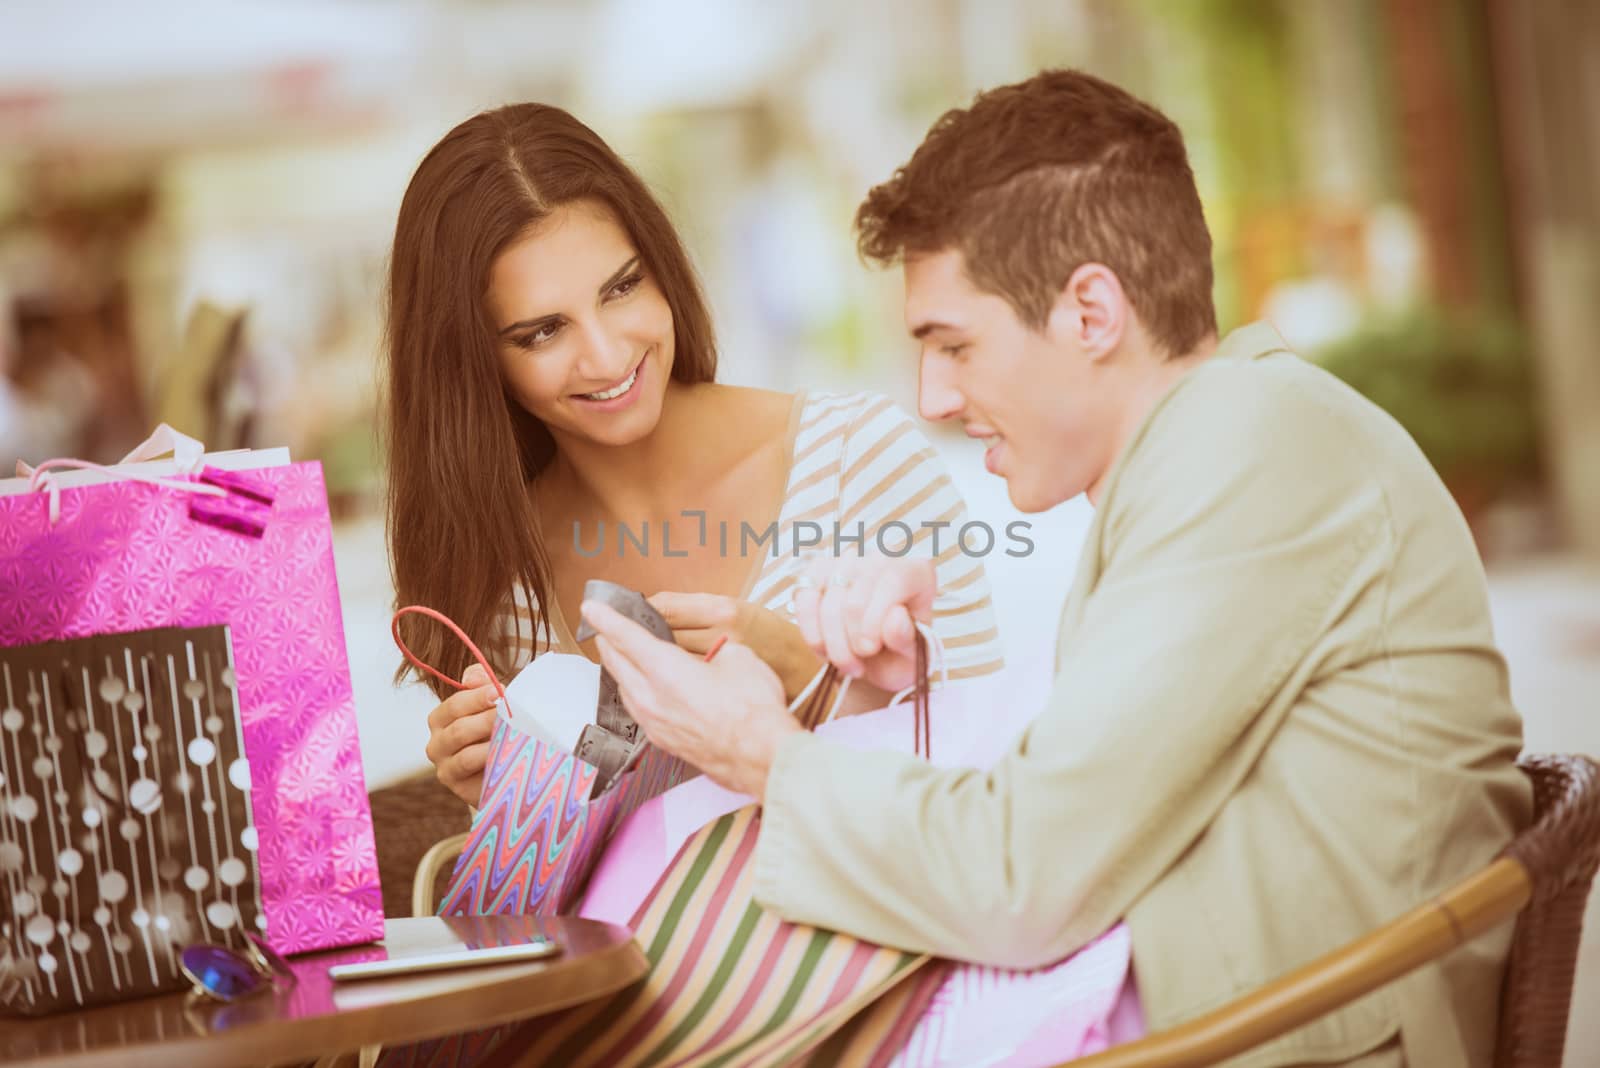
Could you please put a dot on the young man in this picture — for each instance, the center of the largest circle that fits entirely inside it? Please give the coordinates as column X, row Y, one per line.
column 1279, row 718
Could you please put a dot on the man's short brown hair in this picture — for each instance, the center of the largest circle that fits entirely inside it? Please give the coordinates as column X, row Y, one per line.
column 1036, row 179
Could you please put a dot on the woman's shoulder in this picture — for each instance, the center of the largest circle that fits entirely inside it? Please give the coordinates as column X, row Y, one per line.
column 743, row 396
column 847, row 409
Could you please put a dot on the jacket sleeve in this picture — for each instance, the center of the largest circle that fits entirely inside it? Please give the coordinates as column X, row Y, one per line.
column 1229, row 547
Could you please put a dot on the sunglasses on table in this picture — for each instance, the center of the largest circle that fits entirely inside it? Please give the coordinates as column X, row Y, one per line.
column 221, row 973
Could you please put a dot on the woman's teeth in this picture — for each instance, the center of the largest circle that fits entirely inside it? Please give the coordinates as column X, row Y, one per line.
column 618, row 391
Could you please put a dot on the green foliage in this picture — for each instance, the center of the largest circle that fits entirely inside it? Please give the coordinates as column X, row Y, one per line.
column 1462, row 389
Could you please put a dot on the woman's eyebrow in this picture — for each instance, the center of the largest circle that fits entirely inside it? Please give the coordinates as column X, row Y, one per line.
column 528, row 324
column 619, row 274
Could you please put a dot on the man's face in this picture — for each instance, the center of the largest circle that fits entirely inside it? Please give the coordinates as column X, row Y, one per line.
column 1044, row 407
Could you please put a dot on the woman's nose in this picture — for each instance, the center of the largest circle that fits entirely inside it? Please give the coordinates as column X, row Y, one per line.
column 604, row 358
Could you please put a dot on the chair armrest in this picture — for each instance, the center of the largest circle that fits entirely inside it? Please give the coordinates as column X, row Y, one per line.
column 438, row 854
column 1477, row 904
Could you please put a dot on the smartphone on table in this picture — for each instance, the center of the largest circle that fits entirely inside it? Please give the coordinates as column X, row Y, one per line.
column 462, row 945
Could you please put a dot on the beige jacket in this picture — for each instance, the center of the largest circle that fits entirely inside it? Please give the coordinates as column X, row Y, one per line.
column 1279, row 720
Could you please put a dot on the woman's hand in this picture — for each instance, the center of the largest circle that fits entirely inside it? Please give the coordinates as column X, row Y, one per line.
column 458, row 735
column 699, row 619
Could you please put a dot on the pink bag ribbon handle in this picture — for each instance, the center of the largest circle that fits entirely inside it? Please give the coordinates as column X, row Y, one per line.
column 39, row 480
column 186, row 451
column 477, row 654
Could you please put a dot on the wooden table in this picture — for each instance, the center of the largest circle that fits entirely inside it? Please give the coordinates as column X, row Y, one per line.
column 315, row 1017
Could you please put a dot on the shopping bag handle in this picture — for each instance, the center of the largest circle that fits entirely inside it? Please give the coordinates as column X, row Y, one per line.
column 39, row 480
column 186, row 452
column 819, row 702
column 477, row 654
column 936, row 645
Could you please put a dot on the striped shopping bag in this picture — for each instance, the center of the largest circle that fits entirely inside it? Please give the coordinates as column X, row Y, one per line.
column 732, row 984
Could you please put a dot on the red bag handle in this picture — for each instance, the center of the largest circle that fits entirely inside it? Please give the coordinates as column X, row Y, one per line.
column 477, row 654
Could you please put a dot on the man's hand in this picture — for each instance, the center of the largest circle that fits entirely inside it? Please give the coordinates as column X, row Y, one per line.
column 725, row 717
column 861, row 614
column 699, row 619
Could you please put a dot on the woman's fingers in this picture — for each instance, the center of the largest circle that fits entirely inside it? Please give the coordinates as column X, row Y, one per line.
column 462, row 703
column 683, row 610
column 466, row 705
column 470, row 761
column 469, row 791
column 462, row 775
column 468, row 730
column 696, row 639
column 459, row 729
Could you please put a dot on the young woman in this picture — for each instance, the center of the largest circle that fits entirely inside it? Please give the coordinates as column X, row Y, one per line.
column 551, row 396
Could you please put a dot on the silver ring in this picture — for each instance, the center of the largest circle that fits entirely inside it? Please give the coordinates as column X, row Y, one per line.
column 839, row 582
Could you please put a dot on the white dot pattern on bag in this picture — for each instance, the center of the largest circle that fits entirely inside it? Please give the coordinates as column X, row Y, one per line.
column 110, row 868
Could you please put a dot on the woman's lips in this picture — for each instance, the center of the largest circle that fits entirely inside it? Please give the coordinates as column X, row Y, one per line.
column 623, row 400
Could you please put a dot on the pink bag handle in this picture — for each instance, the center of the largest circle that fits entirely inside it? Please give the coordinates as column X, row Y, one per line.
column 39, row 479
column 420, row 610
column 186, row 452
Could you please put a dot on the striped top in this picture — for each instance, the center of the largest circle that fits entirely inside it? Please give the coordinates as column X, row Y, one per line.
column 862, row 479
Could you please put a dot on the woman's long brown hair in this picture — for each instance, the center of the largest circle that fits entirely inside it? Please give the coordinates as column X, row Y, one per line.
column 462, row 531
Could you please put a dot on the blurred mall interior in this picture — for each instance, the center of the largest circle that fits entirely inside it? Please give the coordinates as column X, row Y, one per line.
column 196, row 203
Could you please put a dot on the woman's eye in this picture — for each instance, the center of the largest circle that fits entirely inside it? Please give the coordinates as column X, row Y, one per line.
column 954, row 351
column 627, row 285
column 538, row 337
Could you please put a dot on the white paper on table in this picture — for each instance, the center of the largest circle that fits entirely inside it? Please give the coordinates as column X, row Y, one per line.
column 554, row 698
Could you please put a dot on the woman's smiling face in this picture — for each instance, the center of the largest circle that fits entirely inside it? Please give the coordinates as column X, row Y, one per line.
column 585, row 333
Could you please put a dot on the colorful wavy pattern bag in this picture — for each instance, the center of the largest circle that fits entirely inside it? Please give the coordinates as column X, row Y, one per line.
column 537, row 834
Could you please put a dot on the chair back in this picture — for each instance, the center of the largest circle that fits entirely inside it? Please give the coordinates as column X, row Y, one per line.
column 1560, row 851
column 408, row 819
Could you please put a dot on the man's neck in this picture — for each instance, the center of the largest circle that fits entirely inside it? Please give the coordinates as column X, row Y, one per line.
column 1152, row 378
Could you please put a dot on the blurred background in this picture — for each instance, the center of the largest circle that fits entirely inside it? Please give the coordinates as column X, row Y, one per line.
column 196, row 203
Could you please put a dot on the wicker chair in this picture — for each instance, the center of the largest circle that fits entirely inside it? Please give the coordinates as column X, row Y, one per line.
column 408, row 820
column 1544, row 874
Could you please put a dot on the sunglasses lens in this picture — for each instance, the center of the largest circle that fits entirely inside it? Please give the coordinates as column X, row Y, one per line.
column 221, row 972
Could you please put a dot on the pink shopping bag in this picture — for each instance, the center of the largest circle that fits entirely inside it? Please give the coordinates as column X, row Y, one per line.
column 254, row 553
column 979, row 1015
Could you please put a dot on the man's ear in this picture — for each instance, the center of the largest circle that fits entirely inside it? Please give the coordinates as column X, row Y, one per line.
column 1091, row 311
